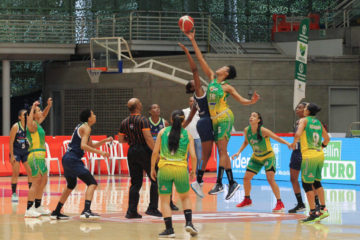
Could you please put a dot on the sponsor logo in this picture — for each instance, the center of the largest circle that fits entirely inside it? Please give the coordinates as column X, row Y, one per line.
column 163, row 188
column 334, row 167
column 310, row 175
column 302, row 49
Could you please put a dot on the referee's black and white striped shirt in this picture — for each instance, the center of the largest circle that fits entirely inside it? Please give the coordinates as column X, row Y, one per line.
column 132, row 128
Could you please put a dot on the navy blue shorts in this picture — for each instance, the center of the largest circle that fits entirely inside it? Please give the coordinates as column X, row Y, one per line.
column 73, row 166
column 295, row 160
column 205, row 129
column 21, row 156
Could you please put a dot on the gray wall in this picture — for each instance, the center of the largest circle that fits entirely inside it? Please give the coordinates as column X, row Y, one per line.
column 271, row 77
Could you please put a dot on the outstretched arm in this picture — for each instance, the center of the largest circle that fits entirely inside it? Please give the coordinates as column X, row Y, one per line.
column 198, row 89
column 46, row 110
column 31, row 125
column 205, row 67
column 268, row 133
column 232, row 91
column 86, row 143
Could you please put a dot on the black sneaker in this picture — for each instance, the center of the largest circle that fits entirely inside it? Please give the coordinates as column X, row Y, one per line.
column 232, row 190
column 132, row 215
column 313, row 217
column 191, row 229
column 58, row 216
column 167, row 233
column 300, row 207
column 173, row 207
column 218, row 188
column 153, row 212
column 88, row 214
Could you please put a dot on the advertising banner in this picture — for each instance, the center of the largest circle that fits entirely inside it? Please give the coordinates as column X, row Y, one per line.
column 301, row 62
column 342, row 160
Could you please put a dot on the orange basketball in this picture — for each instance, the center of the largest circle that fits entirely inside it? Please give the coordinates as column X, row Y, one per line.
column 186, row 23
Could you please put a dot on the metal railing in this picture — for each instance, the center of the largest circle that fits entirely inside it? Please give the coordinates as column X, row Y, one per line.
column 341, row 14
column 36, row 29
column 136, row 26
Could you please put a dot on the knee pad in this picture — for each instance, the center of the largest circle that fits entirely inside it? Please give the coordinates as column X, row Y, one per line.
column 71, row 184
column 307, row 186
column 317, row 184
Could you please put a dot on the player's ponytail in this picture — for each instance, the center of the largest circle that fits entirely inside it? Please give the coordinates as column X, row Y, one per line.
column 260, row 123
column 177, row 117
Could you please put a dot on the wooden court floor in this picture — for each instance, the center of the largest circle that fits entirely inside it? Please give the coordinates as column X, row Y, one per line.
column 214, row 217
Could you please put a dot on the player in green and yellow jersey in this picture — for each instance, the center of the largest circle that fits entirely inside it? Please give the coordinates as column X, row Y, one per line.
column 36, row 136
column 173, row 143
column 263, row 155
column 222, row 117
column 310, row 133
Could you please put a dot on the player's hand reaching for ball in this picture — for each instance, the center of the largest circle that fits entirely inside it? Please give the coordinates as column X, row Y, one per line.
column 190, row 35
column 183, row 47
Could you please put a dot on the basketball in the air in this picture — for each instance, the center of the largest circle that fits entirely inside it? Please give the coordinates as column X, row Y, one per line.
column 186, row 23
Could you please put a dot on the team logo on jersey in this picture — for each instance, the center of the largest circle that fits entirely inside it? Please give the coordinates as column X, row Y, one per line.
column 163, row 188
column 311, row 175
column 161, row 126
column 131, row 126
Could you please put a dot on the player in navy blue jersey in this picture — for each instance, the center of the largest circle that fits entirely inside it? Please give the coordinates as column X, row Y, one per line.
column 156, row 122
column 18, row 152
column 204, row 126
column 74, row 167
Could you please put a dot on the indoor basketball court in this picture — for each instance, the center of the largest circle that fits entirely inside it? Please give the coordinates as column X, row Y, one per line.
column 214, row 217
column 75, row 63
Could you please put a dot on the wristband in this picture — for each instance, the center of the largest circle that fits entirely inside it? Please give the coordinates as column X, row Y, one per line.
column 323, row 145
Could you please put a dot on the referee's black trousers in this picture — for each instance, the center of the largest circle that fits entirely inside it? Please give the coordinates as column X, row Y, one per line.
column 139, row 160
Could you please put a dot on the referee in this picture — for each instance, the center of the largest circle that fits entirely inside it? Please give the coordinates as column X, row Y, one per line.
column 135, row 130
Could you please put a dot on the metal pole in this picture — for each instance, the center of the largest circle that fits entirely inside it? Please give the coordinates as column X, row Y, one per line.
column 6, row 97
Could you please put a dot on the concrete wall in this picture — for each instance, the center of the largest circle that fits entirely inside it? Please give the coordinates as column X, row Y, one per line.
column 271, row 77
column 324, row 48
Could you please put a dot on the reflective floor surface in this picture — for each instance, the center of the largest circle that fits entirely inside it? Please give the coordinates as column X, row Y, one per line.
column 214, row 217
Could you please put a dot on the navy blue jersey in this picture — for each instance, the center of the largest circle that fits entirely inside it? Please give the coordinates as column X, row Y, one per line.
column 156, row 127
column 75, row 143
column 202, row 106
column 21, row 144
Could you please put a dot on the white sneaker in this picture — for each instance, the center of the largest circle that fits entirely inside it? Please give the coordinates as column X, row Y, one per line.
column 43, row 211
column 197, row 189
column 32, row 213
column 14, row 197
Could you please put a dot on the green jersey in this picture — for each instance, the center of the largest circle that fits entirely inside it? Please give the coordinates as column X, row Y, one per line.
column 36, row 139
column 178, row 158
column 217, row 98
column 262, row 148
column 312, row 135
